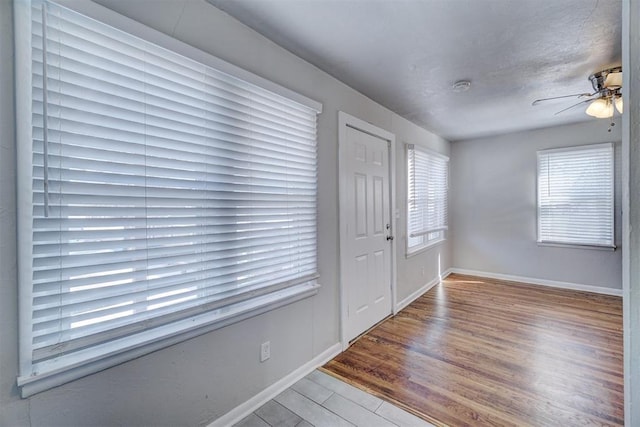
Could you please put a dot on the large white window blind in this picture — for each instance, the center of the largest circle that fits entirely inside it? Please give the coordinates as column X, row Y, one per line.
column 428, row 176
column 166, row 195
column 576, row 195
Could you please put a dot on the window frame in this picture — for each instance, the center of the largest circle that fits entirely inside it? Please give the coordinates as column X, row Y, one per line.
column 575, row 245
column 31, row 382
column 441, row 236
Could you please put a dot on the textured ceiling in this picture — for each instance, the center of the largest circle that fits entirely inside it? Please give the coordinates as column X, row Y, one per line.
column 406, row 54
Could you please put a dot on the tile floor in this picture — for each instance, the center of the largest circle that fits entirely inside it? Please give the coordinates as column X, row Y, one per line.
column 322, row 400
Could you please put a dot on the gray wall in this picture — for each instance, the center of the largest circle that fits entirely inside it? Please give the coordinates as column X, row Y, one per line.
column 201, row 379
column 631, row 207
column 493, row 208
column 12, row 411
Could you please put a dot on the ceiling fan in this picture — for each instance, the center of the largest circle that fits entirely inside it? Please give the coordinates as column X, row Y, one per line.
column 607, row 86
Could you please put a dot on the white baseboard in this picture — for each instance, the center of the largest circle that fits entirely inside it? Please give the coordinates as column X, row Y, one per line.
column 416, row 294
column 446, row 273
column 543, row 282
column 246, row 408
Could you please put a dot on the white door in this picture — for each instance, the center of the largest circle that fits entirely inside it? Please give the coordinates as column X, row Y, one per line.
column 366, row 261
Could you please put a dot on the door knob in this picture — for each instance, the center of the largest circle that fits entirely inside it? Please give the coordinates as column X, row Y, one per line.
column 389, row 237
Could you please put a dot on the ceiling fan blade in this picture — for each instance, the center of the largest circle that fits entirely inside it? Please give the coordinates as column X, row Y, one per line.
column 575, row 95
column 574, row 105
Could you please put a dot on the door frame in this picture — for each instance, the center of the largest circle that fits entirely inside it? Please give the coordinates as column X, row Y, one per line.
column 344, row 121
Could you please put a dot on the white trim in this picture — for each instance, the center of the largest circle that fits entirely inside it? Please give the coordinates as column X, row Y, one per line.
column 346, row 120
column 24, row 145
column 430, row 151
column 432, row 230
column 246, row 408
column 446, row 273
column 577, row 147
column 578, row 246
column 393, row 221
column 544, row 282
column 130, row 26
column 342, row 224
column 420, row 249
column 417, row 294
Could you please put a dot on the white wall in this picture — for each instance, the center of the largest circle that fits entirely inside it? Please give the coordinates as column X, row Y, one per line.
column 201, row 379
column 493, row 208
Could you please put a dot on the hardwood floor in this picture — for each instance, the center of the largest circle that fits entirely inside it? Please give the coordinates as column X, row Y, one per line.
column 484, row 352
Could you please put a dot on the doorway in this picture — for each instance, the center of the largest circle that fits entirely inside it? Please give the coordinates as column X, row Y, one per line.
column 367, row 225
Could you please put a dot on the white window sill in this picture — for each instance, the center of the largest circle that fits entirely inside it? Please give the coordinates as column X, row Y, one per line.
column 54, row 372
column 577, row 246
column 420, row 249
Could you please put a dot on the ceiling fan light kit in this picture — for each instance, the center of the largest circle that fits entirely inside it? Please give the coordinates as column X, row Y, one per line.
column 618, row 103
column 600, row 108
column 607, row 86
column 613, row 80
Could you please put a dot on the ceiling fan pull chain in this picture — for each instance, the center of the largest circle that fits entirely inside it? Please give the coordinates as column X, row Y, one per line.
column 613, row 113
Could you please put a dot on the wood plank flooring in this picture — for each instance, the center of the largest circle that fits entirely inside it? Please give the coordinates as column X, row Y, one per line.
column 484, row 352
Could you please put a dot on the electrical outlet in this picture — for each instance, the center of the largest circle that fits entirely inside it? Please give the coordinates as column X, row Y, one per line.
column 265, row 351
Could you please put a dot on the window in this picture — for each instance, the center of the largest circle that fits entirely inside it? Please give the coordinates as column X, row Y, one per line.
column 428, row 176
column 576, row 195
column 164, row 197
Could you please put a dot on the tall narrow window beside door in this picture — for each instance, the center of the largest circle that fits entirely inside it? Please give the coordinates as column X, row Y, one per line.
column 165, row 196
column 576, row 195
column 427, row 198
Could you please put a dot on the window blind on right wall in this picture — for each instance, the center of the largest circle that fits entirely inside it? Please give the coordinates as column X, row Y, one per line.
column 576, row 195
